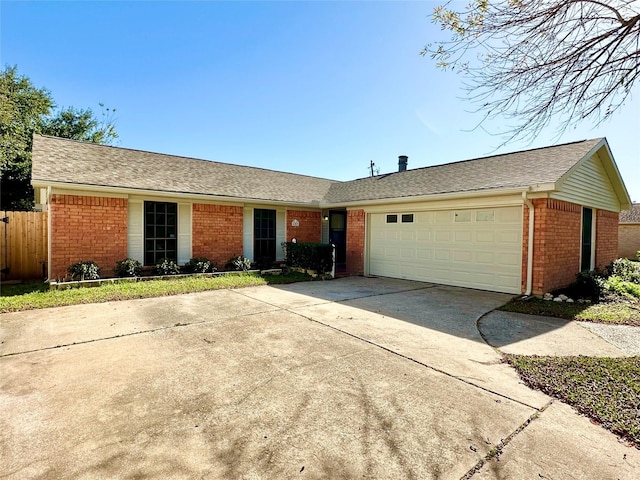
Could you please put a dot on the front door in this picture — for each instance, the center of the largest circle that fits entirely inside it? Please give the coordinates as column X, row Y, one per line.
column 587, row 229
column 338, row 234
column 264, row 234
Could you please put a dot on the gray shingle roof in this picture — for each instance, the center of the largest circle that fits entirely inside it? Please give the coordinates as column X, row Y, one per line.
column 72, row 162
column 632, row 215
column 511, row 170
column 69, row 161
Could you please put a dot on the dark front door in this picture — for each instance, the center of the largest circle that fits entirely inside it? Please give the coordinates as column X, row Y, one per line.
column 264, row 234
column 587, row 228
column 338, row 234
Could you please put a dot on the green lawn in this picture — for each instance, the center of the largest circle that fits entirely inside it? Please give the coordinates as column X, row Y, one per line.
column 28, row 296
column 605, row 389
column 622, row 312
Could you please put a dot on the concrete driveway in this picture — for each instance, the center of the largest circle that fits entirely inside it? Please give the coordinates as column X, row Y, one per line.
column 351, row 378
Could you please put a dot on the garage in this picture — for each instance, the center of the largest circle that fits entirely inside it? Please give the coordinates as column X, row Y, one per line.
column 476, row 248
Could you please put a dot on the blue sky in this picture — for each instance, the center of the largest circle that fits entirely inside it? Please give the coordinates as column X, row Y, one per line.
column 317, row 88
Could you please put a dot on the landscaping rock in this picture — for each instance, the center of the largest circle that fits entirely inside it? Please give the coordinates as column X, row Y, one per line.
column 557, row 299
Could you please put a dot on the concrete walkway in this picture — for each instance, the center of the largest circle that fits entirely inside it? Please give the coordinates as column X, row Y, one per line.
column 522, row 334
column 352, row 378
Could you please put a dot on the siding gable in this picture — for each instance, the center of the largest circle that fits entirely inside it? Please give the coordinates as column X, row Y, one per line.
column 588, row 184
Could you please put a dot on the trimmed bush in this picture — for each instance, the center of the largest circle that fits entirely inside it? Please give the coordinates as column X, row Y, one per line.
column 311, row 256
column 587, row 285
column 166, row 266
column 128, row 268
column 199, row 265
column 627, row 270
column 86, row 270
column 239, row 263
column 621, row 287
column 264, row 263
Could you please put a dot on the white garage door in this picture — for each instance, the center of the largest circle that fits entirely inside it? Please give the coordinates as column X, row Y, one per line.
column 479, row 248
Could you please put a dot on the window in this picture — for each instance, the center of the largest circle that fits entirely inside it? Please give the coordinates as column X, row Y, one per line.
column 587, row 240
column 160, row 231
column 485, row 216
column 462, row 216
column 264, row 234
column 407, row 218
column 392, row 218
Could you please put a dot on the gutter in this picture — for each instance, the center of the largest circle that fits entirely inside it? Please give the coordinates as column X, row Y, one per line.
column 528, row 203
column 429, row 197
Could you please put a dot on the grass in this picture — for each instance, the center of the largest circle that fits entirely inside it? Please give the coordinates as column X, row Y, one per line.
column 605, row 389
column 622, row 313
column 34, row 295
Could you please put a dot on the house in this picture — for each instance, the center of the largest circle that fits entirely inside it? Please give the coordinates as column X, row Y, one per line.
column 519, row 222
column 629, row 232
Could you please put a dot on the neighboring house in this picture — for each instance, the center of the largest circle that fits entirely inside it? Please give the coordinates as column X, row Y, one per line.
column 519, row 222
column 629, row 232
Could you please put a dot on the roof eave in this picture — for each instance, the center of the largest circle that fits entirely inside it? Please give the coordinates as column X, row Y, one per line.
column 430, row 197
column 124, row 191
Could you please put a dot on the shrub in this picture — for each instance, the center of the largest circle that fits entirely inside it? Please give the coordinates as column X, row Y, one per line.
column 239, row 263
column 199, row 265
column 627, row 270
column 128, row 268
column 84, row 271
column 588, row 284
column 312, row 256
column 264, row 263
column 621, row 287
column 166, row 266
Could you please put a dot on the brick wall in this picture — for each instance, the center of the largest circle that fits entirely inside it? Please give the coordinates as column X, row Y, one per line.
column 355, row 242
column 556, row 244
column 606, row 237
column 628, row 240
column 309, row 228
column 216, row 232
column 87, row 228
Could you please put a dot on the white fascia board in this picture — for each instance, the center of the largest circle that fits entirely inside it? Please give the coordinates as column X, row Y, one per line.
column 119, row 192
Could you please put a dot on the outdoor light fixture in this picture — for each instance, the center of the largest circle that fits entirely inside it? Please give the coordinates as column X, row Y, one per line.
column 326, row 218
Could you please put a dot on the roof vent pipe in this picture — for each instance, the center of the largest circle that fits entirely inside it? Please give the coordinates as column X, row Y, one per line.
column 402, row 163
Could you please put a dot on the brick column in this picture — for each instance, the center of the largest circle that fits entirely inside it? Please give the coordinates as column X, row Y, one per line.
column 355, row 241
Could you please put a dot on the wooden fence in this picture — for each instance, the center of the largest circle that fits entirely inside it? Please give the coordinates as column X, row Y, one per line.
column 23, row 245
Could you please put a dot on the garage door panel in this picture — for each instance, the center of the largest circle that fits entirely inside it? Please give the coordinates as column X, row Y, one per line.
column 463, row 236
column 479, row 248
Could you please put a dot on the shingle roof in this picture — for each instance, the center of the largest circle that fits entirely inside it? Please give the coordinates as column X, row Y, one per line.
column 632, row 215
column 72, row 162
column 69, row 161
column 511, row 170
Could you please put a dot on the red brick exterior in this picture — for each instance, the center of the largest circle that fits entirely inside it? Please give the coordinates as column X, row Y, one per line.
column 556, row 244
column 309, row 228
column 606, row 237
column 216, row 232
column 87, row 229
column 355, row 241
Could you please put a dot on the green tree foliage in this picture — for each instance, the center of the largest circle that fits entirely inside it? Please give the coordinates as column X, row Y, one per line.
column 25, row 110
column 81, row 125
column 530, row 61
column 22, row 110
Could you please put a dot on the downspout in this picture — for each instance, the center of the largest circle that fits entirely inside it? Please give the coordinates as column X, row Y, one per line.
column 49, row 195
column 528, row 203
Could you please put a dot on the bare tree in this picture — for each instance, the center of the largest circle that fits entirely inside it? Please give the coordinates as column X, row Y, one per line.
column 573, row 60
